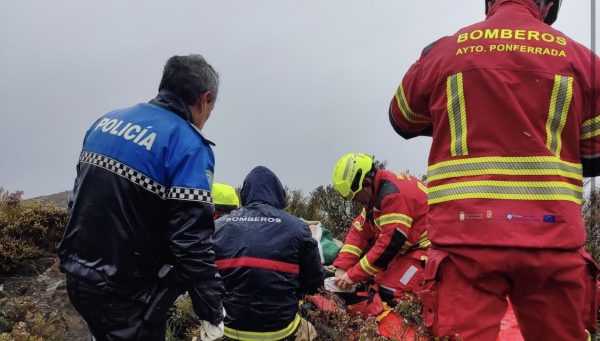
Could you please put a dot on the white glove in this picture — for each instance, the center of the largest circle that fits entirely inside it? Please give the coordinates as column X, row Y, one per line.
column 210, row 332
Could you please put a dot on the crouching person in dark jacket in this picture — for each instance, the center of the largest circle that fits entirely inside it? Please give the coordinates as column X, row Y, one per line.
column 268, row 260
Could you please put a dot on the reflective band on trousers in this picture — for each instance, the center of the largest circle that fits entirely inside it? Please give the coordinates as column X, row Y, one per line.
column 562, row 92
column 406, row 111
column 590, row 128
column 457, row 115
column 526, row 165
column 274, row 335
column 506, row 190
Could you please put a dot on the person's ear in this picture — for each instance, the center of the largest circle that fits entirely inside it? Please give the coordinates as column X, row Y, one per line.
column 208, row 97
column 545, row 9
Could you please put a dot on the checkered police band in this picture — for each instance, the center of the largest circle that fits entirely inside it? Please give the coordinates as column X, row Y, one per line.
column 177, row 193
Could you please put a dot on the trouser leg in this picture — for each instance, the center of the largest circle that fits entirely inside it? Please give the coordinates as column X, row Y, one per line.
column 112, row 318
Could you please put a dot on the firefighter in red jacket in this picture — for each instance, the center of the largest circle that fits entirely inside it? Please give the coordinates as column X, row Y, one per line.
column 393, row 216
column 513, row 107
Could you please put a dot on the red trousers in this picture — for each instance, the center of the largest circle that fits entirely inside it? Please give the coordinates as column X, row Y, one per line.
column 552, row 292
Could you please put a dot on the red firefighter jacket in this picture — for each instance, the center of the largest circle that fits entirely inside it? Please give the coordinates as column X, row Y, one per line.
column 514, row 111
column 396, row 223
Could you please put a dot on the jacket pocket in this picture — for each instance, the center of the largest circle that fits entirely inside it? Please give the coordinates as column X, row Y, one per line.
column 429, row 288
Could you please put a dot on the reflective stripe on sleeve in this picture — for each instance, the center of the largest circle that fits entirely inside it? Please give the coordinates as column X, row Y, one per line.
column 405, row 109
column 590, row 128
column 349, row 248
column 367, row 267
column 394, row 218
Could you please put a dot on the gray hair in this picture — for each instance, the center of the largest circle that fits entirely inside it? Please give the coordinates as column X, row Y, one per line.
column 189, row 77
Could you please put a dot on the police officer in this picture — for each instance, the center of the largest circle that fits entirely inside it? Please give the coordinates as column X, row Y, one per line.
column 140, row 221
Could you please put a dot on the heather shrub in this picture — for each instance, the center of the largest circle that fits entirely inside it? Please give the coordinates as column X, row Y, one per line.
column 27, row 230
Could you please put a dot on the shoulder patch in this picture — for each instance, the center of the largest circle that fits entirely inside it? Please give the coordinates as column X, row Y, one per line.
column 385, row 188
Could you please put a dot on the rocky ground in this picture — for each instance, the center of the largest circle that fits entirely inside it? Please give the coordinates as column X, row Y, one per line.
column 34, row 305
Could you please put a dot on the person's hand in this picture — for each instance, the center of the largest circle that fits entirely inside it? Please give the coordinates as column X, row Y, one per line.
column 339, row 272
column 344, row 282
column 210, row 332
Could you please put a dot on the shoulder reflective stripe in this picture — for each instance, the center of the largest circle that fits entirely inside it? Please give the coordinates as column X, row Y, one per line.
column 355, row 250
column 457, row 115
column 363, row 213
column 422, row 187
column 508, row 190
column 590, row 128
column 527, row 165
column 394, row 218
column 367, row 267
column 124, row 171
column 274, row 335
column 259, row 263
column 405, row 109
column 562, row 92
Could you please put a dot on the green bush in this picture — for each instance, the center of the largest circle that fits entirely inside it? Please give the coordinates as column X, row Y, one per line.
column 27, row 230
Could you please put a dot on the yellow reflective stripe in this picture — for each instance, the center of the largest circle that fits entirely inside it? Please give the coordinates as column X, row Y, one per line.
column 422, row 187
column 590, row 128
column 393, row 218
column 405, row 109
column 510, row 190
column 512, row 165
column 424, row 240
column 363, row 213
column 562, row 92
column 457, row 115
column 349, row 248
column 274, row 335
column 367, row 267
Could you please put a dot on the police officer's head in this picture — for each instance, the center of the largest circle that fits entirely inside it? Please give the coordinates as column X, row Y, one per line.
column 549, row 8
column 195, row 82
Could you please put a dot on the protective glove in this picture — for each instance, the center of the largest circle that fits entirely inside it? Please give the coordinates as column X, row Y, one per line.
column 210, row 332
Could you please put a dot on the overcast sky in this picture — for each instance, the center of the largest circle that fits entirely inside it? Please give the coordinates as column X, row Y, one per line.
column 302, row 82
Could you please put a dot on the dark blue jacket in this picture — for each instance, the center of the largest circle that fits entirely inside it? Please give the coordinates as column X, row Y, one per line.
column 141, row 200
column 266, row 257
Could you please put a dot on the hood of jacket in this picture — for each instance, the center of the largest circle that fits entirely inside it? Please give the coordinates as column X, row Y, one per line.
column 262, row 185
column 526, row 6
